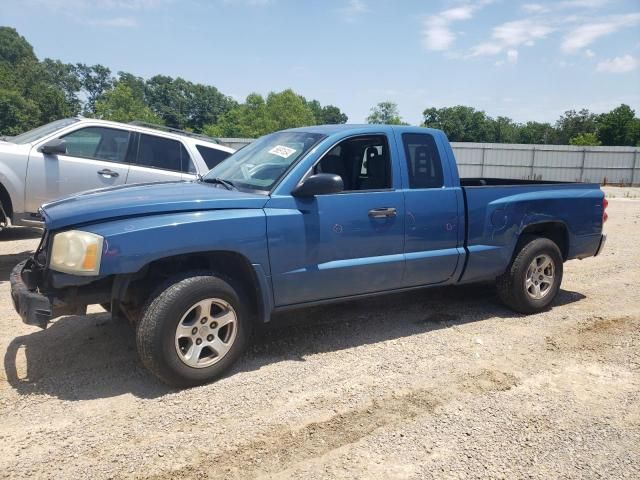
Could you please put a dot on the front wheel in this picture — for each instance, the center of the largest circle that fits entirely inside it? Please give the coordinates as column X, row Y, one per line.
column 533, row 279
column 194, row 328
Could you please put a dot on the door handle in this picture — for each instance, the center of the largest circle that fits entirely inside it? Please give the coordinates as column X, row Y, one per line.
column 382, row 212
column 108, row 173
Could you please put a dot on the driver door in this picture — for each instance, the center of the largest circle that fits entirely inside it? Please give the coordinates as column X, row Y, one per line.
column 95, row 158
column 344, row 244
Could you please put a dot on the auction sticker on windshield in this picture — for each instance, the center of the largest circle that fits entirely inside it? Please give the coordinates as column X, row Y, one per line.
column 282, row 151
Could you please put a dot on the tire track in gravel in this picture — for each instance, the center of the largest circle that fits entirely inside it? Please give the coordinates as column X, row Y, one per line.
column 283, row 449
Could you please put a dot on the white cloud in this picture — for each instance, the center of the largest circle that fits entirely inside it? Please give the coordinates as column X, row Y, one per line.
column 585, row 35
column 534, row 8
column 118, row 22
column 623, row 64
column 251, row 3
column 589, row 53
column 582, row 4
column 513, row 34
column 512, row 56
column 352, row 10
column 436, row 32
column 103, row 4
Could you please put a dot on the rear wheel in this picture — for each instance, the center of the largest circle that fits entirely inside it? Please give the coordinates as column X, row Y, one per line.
column 193, row 330
column 533, row 279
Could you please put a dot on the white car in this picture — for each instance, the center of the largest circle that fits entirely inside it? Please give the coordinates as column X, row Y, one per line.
column 75, row 154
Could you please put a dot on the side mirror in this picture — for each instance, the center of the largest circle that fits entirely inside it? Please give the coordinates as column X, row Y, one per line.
column 319, row 184
column 54, row 147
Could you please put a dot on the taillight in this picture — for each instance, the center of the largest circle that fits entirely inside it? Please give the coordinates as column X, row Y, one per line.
column 605, row 204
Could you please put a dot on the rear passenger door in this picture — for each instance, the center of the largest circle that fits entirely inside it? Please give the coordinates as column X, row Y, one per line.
column 432, row 212
column 159, row 159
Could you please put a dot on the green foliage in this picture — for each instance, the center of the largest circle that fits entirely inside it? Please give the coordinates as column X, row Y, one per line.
column 573, row 123
column 327, row 115
column 17, row 114
column 34, row 92
column 121, row 104
column 183, row 104
column 95, row 80
column 385, row 113
column 14, row 48
column 536, row 133
column 462, row 124
column 258, row 116
column 585, row 139
column 619, row 127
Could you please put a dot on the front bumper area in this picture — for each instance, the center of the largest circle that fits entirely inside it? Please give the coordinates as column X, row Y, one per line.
column 33, row 307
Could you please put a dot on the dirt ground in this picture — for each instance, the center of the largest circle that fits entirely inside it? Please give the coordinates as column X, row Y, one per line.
column 440, row 383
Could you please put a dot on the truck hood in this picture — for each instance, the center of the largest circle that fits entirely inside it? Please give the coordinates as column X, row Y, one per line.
column 145, row 199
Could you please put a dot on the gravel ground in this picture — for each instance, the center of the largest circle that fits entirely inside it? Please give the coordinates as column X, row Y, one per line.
column 440, row 383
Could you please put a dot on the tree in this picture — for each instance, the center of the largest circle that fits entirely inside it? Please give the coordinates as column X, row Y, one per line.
column 287, row 109
column 585, row 139
column 183, row 104
column 460, row 123
column 573, row 123
column 248, row 120
column 619, row 127
column 17, row 113
column 505, row 130
column 121, row 104
column 14, row 48
column 259, row 116
column 65, row 77
column 536, row 133
column 385, row 113
column 327, row 115
column 95, row 80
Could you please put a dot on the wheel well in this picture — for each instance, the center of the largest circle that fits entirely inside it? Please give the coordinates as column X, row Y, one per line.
column 555, row 231
column 5, row 202
column 230, row 265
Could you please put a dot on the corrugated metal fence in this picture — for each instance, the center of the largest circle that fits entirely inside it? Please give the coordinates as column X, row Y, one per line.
column 612, row 165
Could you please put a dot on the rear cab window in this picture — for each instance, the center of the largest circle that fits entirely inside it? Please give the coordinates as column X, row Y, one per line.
column 423, row 160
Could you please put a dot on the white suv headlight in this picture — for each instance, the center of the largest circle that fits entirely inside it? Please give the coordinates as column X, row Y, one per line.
column 76, row 252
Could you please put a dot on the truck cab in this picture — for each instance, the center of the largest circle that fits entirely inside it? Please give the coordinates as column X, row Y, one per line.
column 297, row 218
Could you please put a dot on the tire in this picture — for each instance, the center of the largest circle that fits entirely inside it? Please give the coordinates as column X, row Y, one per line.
column 528, row 288
column 173, row 321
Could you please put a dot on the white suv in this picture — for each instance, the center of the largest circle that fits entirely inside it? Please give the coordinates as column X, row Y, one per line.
column 75, row 154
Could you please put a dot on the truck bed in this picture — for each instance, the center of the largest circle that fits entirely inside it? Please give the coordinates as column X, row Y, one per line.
column 498, row 210
column 491, row 182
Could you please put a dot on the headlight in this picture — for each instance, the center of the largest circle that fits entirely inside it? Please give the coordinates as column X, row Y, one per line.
column 76, row 252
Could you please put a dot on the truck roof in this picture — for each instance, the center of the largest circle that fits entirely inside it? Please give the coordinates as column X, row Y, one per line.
column 360, row 128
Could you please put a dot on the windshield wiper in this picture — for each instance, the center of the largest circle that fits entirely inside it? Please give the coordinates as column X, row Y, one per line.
column 228, row 184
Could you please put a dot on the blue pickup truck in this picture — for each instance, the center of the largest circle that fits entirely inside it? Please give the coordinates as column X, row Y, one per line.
column 296, row 218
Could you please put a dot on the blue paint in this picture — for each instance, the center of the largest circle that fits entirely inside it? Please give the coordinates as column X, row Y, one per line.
column 306, row 250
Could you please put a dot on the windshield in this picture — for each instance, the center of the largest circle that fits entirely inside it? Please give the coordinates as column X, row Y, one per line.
column 259, row 165
column 43, row 131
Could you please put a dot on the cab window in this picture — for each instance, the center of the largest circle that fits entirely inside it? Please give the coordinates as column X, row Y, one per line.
column 98, row 143
column 363, row 163
column 423, row 160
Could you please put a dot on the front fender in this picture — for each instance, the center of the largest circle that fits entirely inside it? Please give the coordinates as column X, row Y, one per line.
column 132, row 243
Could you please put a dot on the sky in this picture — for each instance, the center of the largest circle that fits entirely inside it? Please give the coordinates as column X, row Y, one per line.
column 528, row 60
